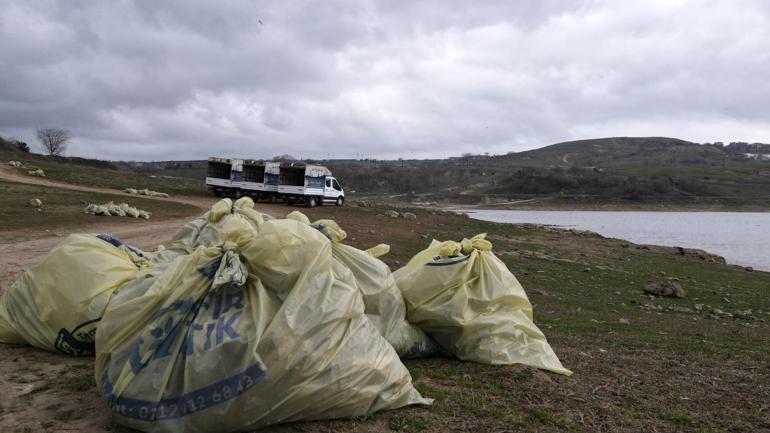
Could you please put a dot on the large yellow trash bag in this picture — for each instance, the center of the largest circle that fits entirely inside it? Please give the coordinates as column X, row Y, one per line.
column 384, row 304
column 262, row 330
column 210, row 228
column 464, row 297
column 57, row 303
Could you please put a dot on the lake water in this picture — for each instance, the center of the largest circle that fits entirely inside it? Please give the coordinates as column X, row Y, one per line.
column 742, row 238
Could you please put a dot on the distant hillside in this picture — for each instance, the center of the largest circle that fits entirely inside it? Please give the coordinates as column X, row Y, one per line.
column 638, row 169
column 616, row 169
column 618, row 152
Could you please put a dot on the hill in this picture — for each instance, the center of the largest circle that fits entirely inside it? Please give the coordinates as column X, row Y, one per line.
column 613, row 171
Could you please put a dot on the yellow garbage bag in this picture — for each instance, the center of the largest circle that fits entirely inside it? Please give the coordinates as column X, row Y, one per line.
column 465, row 297
column 211, row 228
column 384, row 304
column 56, row 304
column 264, row 329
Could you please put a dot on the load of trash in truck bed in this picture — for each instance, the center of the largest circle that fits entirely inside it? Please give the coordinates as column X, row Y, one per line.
column 244, row 320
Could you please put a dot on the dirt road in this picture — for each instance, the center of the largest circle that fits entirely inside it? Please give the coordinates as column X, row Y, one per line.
column 21, row 248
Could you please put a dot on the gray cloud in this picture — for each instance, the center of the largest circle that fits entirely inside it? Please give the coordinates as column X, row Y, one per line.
column 188, row 79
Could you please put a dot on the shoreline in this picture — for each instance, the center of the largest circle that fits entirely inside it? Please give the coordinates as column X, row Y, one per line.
column 730, row 261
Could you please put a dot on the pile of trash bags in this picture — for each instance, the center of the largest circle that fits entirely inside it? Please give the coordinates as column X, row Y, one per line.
column 14, row 163
column 38, row 172
column 243, row 320
column 145, row 192
column 112, row 209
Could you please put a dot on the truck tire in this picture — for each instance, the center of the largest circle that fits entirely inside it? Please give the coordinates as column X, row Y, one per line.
column 311, row 201
column 340, row 201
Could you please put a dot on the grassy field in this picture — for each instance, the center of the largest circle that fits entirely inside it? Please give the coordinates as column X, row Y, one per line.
column 63, row 209
column 670, row 365
column 100, row 177
column 672, row 368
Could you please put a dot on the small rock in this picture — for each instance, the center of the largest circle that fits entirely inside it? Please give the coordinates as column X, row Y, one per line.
column 371, row 231
column 424, row 236
column 719, row 313
column 679, row 309
column 391, row 214
column 624, row 322
column 409, row 216
column 667, row 289
column 699, row 307
column 587, row 270
column 749, row 269
column 744, row 315
column 36, row 203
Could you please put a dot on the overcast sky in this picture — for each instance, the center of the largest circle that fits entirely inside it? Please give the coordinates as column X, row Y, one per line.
column 187, row 79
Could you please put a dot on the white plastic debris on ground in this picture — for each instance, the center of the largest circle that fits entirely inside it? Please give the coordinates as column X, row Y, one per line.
column 146, row 192
column 112, row 209
column 38, row 172
column 14, row 163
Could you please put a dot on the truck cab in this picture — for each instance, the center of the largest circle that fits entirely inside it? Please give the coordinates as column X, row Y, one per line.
column 333, row 192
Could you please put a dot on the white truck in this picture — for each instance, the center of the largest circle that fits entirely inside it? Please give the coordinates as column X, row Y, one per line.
column 224, row 175
column 308, row 184
column 292, row 182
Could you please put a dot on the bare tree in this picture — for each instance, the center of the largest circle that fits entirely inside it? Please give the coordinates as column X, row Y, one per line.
column 54, row 140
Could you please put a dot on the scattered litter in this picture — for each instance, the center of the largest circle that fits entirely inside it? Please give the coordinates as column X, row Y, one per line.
column 14, row 163
column 391, row 214
column 112, row 209
column 36, row 203
column 39, row 173
column 146, row 192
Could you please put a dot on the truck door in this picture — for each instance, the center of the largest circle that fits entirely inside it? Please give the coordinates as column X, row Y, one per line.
column 329, row 190
column 337, row 188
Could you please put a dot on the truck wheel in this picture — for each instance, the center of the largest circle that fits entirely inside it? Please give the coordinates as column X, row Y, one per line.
column 311, row 202
column 340, row 201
